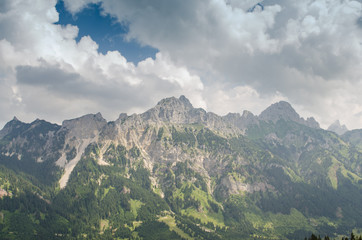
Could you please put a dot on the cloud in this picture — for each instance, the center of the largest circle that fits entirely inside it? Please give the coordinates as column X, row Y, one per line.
column 121, row 86
column 237, row 99
column 45, row 73
column 49, row 76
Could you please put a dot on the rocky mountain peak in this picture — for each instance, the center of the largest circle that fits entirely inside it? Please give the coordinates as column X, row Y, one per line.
column 283, row 110
column 181, row 103
column 171, row 109
column 338, row 128
column 311, row 122
column 122, row 116
column 10, row 126
column 241, row 121
column 42, row 126
column 279, row 110
column 185, row 101
column 38, row 122
column 86, row 126
column 247, row 114
column 15, row 121
column 88, row 117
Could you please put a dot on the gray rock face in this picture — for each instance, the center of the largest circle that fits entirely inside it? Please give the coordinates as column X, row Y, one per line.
column 10, row 126
column 79, row 133
column 180, row 111
column 87, row 126
column 36, row 141
column 242, row 122
column 280, row 110
column 311, row 122
column 169, row 110
column 337, row 128
column 283, row 110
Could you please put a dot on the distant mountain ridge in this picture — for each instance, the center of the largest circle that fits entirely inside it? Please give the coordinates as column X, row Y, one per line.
column 274, row 176
column 180, row 110
column 338, row 128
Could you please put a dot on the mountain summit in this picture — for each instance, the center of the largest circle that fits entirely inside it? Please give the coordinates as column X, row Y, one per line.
column 175, row 103
column 170, row 109
column 338, row 128
column 280, row 110
column 283, row 110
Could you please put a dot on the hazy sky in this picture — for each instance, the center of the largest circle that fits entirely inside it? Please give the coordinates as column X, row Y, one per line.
column 60, row 60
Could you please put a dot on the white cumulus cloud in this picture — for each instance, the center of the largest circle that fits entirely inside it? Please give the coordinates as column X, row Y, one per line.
column 45, row 73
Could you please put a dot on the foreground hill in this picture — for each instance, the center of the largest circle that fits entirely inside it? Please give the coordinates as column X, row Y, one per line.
column 179, row 172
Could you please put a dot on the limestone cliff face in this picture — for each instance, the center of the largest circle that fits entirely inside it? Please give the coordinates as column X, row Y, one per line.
column 79, row 133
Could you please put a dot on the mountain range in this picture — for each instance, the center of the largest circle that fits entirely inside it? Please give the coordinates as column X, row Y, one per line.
column 179, row 172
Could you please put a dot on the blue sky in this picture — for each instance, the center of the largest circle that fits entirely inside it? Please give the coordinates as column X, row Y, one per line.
column 218, row 53
column 105, row 30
